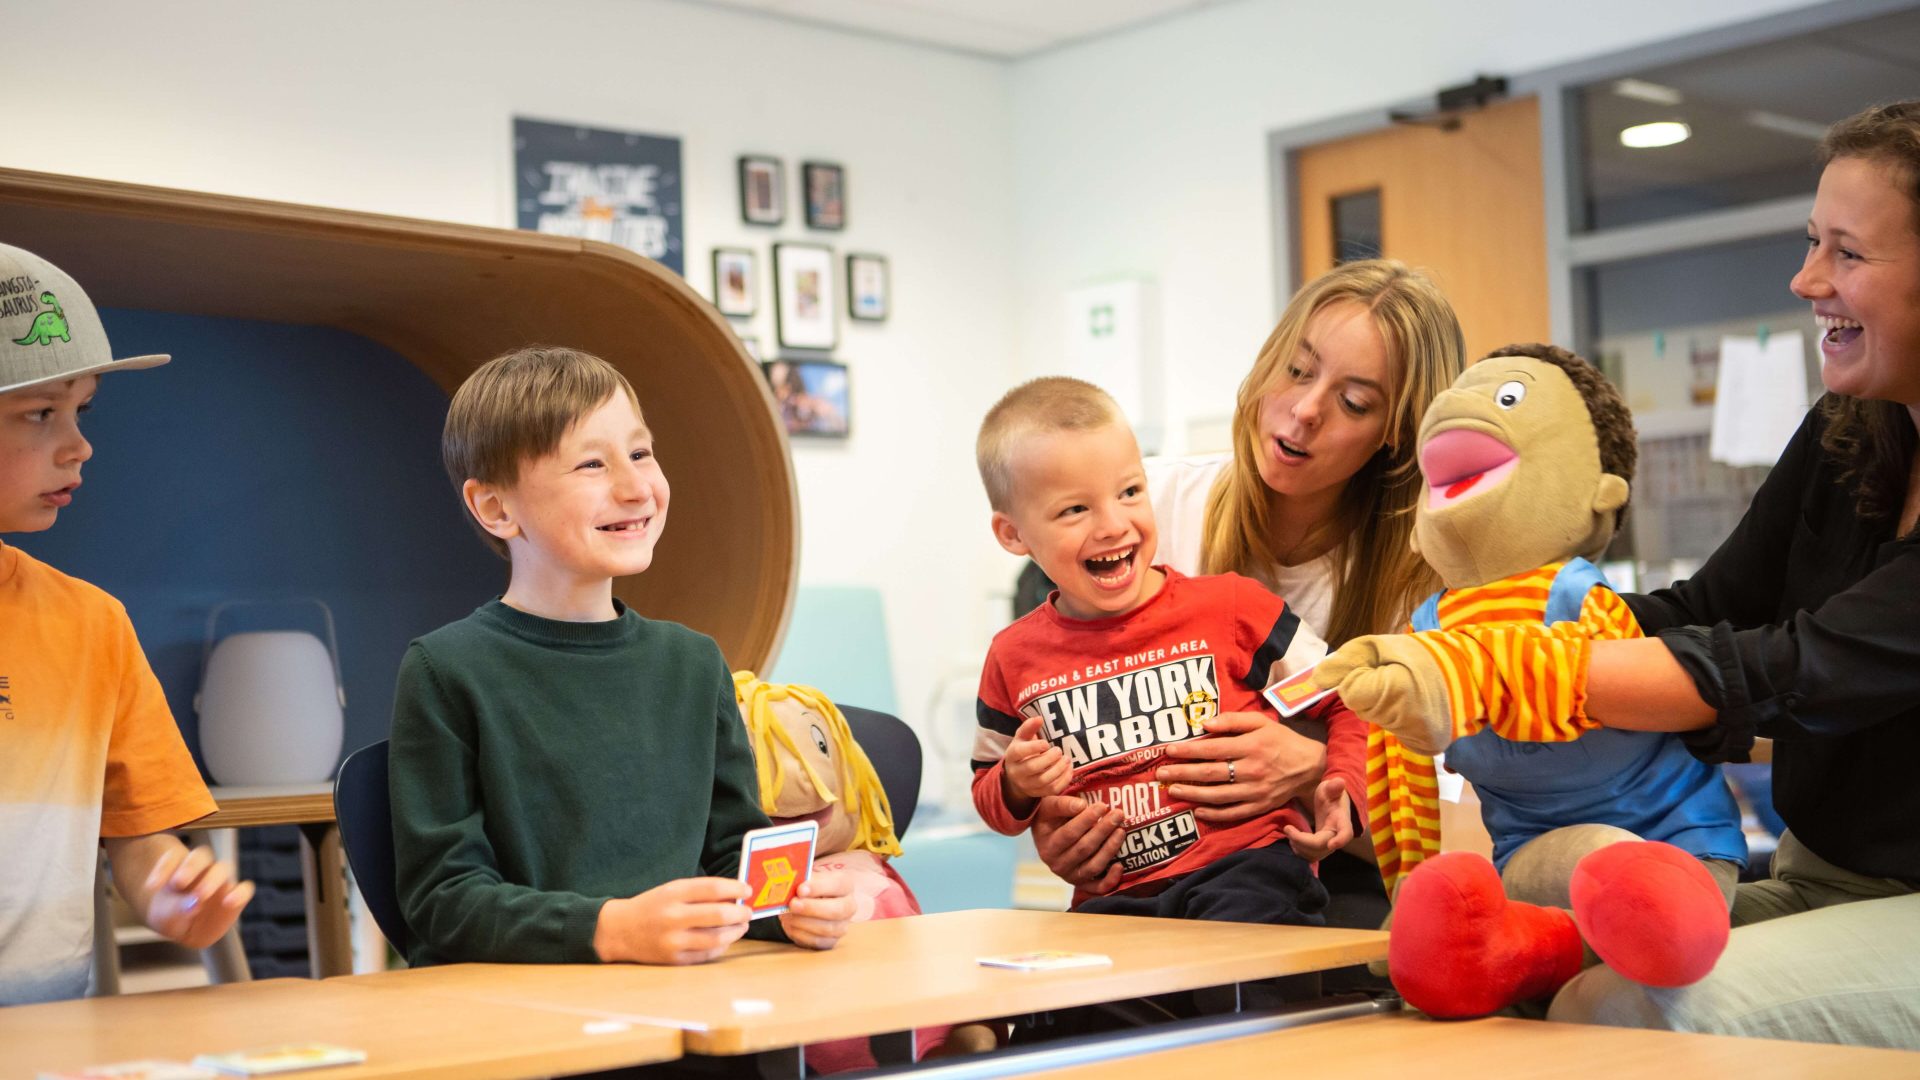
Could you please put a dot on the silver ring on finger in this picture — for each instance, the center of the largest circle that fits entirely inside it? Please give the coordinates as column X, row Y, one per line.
column 1229, row 770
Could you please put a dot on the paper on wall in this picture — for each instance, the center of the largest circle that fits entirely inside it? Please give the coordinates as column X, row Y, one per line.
column 1760, row 400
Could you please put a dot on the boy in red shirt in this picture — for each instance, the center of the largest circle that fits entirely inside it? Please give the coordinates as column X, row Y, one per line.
column 1082, row 696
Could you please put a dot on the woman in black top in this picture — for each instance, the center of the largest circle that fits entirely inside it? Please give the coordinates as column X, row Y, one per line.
column 1804, row 627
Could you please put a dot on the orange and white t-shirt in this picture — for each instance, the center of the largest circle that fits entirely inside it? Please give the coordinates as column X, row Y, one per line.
column 88, row 749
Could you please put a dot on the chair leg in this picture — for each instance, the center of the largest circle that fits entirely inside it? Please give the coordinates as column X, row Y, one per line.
column 225, row 960
column 106, row 947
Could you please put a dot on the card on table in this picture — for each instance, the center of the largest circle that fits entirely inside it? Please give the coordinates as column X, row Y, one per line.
column 1295, row 692
column 774, row 863
column 279, row 1059
column 1047, row 960
column 136, row 1070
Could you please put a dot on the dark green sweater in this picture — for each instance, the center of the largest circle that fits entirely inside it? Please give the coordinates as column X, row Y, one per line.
column 540, row 768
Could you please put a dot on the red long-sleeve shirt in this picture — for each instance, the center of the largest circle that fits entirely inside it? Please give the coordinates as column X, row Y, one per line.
column 1113, row 693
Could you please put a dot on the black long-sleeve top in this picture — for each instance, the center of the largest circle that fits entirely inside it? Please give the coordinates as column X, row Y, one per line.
column 1804, row 627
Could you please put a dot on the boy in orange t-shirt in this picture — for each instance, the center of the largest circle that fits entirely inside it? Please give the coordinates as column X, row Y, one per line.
column 92, row 755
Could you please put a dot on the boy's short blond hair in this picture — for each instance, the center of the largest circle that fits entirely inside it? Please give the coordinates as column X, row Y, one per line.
column 516, row 407
column 1038, row 407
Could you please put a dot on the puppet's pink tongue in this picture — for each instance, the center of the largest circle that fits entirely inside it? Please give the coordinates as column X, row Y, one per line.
column 1455, row 460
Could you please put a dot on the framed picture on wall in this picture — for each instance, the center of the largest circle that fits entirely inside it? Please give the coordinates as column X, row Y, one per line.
column 736, row 283
column 812, row 396
column 869, row 296
column 825, row 187
column 803, row 299
column 763, row 190
column 621, row 187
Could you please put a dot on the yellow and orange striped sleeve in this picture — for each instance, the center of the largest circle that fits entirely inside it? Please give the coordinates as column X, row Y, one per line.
column 1524, row 680
column 1403, row 806
column 1606, row 617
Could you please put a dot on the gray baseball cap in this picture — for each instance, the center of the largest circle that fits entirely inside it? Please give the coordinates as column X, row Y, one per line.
column 49, row 330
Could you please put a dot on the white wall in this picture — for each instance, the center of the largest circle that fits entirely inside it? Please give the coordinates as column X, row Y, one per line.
column 1144, row 153
column 404, row 107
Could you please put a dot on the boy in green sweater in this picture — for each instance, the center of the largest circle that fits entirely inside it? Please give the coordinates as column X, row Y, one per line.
column 571, row 781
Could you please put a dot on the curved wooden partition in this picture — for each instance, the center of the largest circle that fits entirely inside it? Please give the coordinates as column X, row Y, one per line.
column 449, row 297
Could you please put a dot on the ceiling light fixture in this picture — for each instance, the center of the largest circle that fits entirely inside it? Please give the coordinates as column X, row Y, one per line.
column 1659, row 133
column 1640, row 90
column 1787, row 125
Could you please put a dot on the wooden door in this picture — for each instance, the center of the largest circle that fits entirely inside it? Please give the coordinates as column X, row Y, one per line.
column 1466, row 205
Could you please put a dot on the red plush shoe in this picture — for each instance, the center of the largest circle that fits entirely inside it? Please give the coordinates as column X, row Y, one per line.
column 1460, row 948
column 1651, row 911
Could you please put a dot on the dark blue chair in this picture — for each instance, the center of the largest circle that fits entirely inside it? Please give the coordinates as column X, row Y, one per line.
column 360, row 803
column 895, row 752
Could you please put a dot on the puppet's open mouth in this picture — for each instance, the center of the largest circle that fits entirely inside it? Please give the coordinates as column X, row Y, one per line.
column 1461, row 462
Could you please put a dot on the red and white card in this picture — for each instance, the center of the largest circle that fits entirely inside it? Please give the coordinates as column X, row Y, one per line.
column 1295, row 692
column 774, row 863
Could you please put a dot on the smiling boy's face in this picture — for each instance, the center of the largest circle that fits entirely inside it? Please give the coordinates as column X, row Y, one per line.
column 1080, row 509
column 41, row 451
column 594, row 507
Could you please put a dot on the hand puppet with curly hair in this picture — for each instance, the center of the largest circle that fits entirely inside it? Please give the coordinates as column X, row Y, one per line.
column 1527, row 460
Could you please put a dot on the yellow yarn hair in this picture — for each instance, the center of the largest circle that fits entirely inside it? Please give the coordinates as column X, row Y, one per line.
column 866, row 799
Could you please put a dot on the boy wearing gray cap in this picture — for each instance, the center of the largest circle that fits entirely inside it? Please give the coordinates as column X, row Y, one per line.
column 92, row 755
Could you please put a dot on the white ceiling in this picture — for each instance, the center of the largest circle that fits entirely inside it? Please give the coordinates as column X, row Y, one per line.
column 1007, row 29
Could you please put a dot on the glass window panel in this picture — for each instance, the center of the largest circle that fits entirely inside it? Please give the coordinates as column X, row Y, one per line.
column 1356, row 226
column 1755, row 116
column 1656, row 325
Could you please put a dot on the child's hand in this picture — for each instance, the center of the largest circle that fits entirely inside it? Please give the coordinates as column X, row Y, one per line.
column 821, row 908
column 689, row 921
column 1333, row 814
column 1033, row 766
column 192, row 899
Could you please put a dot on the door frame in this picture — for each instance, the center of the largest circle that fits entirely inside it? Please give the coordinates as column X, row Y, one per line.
column 1568, row 252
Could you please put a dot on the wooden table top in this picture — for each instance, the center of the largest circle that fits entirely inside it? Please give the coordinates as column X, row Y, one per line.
column 898, row 974
column 1408, row 1044
column 294, row 804
column 403, row 1035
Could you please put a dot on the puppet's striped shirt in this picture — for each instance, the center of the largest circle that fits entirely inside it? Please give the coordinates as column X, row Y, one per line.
column 1506, row 671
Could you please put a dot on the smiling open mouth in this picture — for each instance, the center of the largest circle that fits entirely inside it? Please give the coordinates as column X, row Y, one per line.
column 1112, row 569
column 625, row 526
column 1459, row 463
column 1837, row 331
column 1291, row 451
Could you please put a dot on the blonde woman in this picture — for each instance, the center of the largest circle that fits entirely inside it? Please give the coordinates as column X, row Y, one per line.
column 1316, row 502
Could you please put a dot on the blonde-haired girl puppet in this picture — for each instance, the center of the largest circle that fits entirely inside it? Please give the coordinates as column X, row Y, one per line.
column 811, row 769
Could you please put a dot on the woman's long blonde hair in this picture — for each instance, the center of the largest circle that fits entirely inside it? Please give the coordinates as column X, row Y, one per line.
column 1378, row 578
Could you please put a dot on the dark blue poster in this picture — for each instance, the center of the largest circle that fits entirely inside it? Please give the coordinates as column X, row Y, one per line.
column 617, row 186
